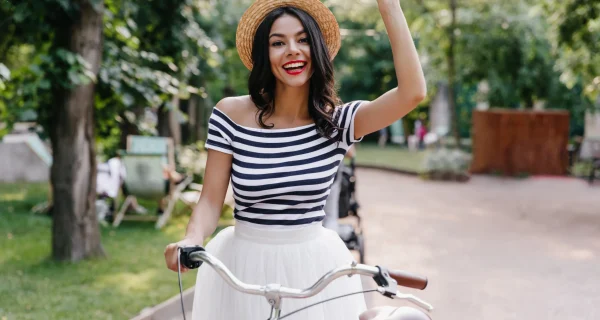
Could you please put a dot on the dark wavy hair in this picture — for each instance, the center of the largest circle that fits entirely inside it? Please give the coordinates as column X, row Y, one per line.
column 322, row 95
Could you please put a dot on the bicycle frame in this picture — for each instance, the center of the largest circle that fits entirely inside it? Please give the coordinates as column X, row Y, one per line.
column 274, row 293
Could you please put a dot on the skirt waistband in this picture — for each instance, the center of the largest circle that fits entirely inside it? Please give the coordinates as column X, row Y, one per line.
column 278, row 236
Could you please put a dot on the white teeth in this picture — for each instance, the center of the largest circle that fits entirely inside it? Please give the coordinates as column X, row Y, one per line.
column 294, row 65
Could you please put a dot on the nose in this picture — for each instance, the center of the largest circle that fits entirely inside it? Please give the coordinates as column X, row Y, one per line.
column 293, row 49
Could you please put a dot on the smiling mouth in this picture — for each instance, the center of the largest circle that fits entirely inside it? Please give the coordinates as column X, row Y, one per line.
column 295, row 67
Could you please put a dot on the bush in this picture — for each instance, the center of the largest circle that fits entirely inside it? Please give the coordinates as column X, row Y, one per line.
column 192, row 160
column 446, row 164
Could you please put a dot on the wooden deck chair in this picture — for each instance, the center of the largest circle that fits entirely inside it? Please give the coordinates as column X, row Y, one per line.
column 145, row 180
column 152, row 145
column 163, row 146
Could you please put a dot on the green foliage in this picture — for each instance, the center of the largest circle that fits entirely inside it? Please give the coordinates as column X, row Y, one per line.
column 4, row 111
column 41, row 66
column 33, row 87
column 153, row 51
column 574, row 27
column 508, row 45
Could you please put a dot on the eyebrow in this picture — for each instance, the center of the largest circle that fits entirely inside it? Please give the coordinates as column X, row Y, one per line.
column 281, row 35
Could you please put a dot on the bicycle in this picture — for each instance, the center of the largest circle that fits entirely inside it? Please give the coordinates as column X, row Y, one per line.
column 194, row 256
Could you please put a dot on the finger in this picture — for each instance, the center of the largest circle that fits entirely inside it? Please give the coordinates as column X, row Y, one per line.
column 171, row 258
column 169, row 247
column 170, row 265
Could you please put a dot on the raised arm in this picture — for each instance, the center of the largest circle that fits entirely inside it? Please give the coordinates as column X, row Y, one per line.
column 411, row 90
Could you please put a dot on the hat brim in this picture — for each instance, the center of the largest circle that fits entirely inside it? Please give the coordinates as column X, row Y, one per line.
column 256, row 13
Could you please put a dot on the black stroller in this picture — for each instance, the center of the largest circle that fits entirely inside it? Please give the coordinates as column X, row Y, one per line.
column 348, row 206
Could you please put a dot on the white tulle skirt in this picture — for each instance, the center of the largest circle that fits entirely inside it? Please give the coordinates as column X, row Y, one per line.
column 293, row 258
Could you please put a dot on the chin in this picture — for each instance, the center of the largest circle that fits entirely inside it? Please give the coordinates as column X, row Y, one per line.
column 296, row 83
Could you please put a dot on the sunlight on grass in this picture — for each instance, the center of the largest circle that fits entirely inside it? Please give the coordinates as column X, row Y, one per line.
column 15, row 196
column 127, row 281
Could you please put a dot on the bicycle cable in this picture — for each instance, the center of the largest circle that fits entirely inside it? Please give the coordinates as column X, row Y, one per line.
column 316, row 303
column 180, row 285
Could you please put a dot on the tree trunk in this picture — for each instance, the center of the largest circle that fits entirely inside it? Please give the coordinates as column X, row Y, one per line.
column 163, row 121
column 201, row 121
column 174, row 125
column 192, row 129
column 128, row 128
column 168, row 126
column 452, row 75
column 406, row 127
column 75, row 231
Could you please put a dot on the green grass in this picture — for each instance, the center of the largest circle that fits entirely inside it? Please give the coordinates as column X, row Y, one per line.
column 391, row 156
column 32, row 286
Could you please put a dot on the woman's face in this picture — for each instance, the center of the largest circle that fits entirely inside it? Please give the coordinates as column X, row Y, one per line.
column 289, row 52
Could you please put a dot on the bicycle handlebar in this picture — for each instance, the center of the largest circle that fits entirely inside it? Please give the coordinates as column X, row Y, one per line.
column 232, row 280
column 193, row 257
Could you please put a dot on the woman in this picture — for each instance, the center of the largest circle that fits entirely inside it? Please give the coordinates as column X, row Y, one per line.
column 281, row 147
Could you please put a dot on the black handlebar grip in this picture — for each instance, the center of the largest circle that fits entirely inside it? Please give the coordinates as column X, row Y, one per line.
column 184, row 256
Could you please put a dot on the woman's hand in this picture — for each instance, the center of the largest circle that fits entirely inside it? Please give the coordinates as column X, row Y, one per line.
column 171, row 251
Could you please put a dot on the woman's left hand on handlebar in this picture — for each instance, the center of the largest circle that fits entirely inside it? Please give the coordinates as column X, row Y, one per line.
column 171, row 252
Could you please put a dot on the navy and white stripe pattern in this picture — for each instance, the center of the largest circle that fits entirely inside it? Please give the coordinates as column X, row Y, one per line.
column 281, row 177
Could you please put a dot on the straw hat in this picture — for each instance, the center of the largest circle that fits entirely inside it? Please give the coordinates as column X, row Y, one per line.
column 254, row 16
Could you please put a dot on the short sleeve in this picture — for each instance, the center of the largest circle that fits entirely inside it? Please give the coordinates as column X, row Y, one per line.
column 346, row 121
column 220, row 135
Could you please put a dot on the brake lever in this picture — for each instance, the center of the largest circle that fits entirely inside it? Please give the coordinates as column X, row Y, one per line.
column 184, row 256
column 411, row 298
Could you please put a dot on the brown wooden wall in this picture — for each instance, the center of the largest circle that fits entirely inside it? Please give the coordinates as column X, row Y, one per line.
column 517, row 142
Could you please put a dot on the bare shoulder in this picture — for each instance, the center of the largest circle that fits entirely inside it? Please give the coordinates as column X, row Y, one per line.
column 240, row 109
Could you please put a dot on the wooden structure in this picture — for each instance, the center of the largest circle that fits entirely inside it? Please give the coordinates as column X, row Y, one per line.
column 515, row 142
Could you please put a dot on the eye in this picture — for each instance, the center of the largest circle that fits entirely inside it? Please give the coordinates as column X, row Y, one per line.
column 277, row 43
column 303, row 40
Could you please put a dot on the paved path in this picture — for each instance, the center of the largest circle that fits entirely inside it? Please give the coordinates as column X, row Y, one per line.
column 493, row 249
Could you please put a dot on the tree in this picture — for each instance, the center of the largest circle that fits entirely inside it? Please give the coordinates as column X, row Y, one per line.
column 575, row 35
column 67, row 41
column 73, row 174
column 504, row 43
column 58, row 52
